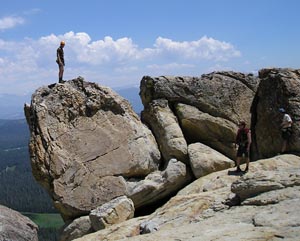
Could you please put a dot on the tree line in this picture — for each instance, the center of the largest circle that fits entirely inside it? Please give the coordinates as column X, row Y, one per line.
column 18, row 188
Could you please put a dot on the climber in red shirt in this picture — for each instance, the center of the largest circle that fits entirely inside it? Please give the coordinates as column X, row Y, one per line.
column 243, row 141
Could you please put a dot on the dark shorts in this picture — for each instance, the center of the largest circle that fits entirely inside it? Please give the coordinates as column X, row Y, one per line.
column 242, row 150
column 286, row 133
column 61, row 67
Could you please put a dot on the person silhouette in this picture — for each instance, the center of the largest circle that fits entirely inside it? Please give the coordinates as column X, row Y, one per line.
column 60, row 60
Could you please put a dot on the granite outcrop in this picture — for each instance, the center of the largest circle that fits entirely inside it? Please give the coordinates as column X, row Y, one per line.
column 89, row 148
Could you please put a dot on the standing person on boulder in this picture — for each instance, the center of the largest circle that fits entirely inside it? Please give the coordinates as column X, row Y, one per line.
column 243, row 140
column 286, row 129
column 60, row 60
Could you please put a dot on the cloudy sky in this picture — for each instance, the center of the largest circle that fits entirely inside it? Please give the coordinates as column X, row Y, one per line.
column 116, row 42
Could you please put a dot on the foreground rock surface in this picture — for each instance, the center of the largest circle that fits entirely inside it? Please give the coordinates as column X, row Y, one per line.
column 269, row 213
column 16, row 227
column 85, row 141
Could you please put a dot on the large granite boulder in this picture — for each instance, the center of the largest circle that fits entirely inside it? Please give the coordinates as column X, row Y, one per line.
column 221, row 94
column 85, row 142
column 278, row 88
column 16, row 227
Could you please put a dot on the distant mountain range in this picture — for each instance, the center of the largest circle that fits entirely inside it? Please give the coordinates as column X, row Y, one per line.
column 11, row 106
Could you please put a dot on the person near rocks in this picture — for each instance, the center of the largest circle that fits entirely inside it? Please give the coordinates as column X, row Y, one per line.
column 286, row 129
column 243, row 141
column 60, row 60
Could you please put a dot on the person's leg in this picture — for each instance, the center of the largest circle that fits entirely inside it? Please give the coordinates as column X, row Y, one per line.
column 61, row 73
column 247, row 164
column 284, row 144
column 238, row 161
column 247, row 160
column 239, row 155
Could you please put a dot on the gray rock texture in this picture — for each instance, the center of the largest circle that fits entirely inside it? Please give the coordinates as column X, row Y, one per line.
column 84, row 140
column 159, row 184
column 166, row 129
column 208, row 210
column 279, row 88
column 115, row 211
column 205, row 160
column 76, row 229
column 88, row 147
column 221, row 94
column 216, row 132
column 16, row 227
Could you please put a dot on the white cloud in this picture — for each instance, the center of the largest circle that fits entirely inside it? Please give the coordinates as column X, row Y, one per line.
column 84, row 50
column 204, row 48
column 10, row 22
column 31, row 62
column 170, row 66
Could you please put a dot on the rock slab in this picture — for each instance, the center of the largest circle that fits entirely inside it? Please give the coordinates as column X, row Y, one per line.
column 85, row 141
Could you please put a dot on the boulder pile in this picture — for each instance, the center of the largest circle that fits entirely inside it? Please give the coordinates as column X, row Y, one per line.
column 101, row 163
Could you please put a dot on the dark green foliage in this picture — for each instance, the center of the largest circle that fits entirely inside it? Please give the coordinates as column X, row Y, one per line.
column 18, row 188
column 48, row 234
column 13, row 134
column 49, row 225
column 46, row 220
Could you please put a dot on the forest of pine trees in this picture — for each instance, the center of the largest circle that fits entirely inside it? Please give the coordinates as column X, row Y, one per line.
column 18, row 188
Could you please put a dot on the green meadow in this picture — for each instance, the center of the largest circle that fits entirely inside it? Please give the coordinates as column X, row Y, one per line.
column 46, row 220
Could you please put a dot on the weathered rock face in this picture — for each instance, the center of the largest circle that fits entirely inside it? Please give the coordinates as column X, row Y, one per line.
column 220, row 94
column 207, row 109
column 270, row 211
column 159, row 184
column 278, row 88
column 88, row 148
column 215, row 132
column 16, row 227
column 117, row 210
column 205, row 160
column 85, row 141
column 76, row 229
column 166, row 129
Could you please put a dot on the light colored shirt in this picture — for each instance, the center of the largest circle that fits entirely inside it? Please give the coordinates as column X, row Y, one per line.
column 286, row 121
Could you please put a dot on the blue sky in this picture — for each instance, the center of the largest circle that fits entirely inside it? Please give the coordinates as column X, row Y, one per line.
column 116, row 42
